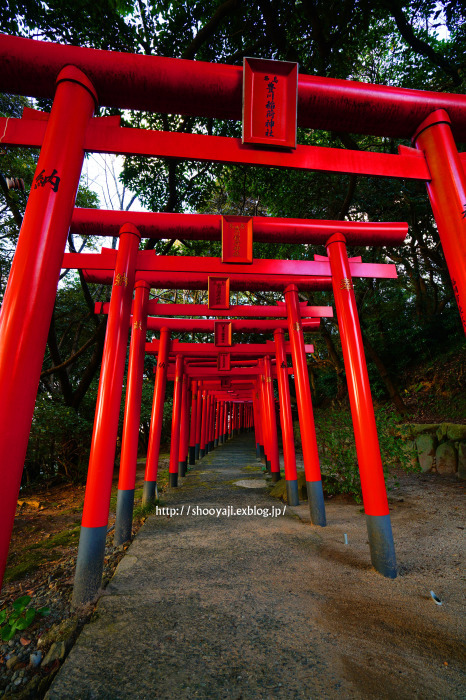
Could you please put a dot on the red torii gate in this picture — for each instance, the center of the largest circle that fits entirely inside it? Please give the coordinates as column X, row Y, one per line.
column 31, row 67
column 177, row 272
column 132, row 409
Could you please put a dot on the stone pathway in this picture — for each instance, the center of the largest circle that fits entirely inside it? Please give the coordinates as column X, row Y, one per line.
column 246, row 606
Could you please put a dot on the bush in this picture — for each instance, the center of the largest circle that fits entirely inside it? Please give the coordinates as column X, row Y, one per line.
column 337, row 449
column 59, row 443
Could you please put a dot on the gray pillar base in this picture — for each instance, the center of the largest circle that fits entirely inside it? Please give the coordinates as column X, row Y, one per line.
column 192, row 454
column 262, row 453
column 124, row 516
column 268, row 465
column 225, row 437
column 196, row 452
column 379, row 529
column 315, row 495
column 276, row 476
column 201, row 453
column 173, row 480
column 216, row 442
column 292, row 492
column 90, row 564
column 182, row 466
column 206, row 448
column 258, row 450
column 149, row 492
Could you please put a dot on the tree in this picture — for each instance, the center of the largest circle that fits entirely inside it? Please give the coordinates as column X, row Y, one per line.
column 414, row 44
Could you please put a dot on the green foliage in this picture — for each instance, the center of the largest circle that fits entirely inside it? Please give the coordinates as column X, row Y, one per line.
column 18, row 617
column 414, row 44
column 337, row 449
column 59, row 442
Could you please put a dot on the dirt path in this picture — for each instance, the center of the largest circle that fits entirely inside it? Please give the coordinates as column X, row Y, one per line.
column 255, row 607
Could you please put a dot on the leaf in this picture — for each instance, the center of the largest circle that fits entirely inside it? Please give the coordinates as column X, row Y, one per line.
column 20, row 603
column 26, row 620
column 8, row 632
column 44, row 611
column 2, row 616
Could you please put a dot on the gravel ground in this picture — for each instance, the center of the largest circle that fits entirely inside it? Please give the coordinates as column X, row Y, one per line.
column 207, row 606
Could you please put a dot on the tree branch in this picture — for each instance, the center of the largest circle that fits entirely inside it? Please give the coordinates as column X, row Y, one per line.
column 419, row 45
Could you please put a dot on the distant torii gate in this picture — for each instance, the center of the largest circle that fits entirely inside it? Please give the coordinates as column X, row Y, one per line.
column 177, row 272
column 187, row 87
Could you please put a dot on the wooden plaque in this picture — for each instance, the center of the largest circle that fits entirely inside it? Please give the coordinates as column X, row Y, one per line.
column 236, row 239
column 223, row 362
column 219, row 292
column 270, row 98
column 222, row 333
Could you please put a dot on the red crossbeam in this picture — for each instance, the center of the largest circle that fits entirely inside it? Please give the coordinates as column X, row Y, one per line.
column 209, row 349
column 176, row 272
column 235, row 311
column 177, row 86
column 208, row 227
column 103, row 136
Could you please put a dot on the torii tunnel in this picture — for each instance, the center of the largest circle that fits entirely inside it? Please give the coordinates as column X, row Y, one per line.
column 79, row 79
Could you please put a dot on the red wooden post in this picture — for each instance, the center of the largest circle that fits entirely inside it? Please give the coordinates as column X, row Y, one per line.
column 221, row 409
column 176, row 417
column 365, row 430
column 273, row 454
column 265, row 419
column 200, row 404
column 306, row 416
column 192, row 430
column 30, row 294
column 182, row 455
column 217, row 423
column 129, row 443
column 210, row 418
column 225, row 422
column 291, row 474
column 152, row 460
column 257, row 420
column 90, row 561
column 447, row 193
column 202, row 447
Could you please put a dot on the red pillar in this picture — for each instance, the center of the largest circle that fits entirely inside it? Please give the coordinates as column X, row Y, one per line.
column 176, row 419
column 306, row 416
column 225, row 422
column 182, row 455
column 257, row 420
column 217, row 423
column 202, row 447
column 30, row 294
column 130, row 439
column 447, row 193
column 365, row 430
column 286, row 420
column 221, row 421
column 208, row 432
column 265, row 418
column 192, row 430
column 200, row 403
column 273, row 454
column 153, row 450
column 89, row 565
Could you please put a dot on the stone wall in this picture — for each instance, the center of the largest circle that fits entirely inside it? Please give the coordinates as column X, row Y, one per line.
column 440, row 447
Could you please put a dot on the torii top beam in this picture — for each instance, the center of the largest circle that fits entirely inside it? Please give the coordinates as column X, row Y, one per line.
column 208, row 227
column 178, row 86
